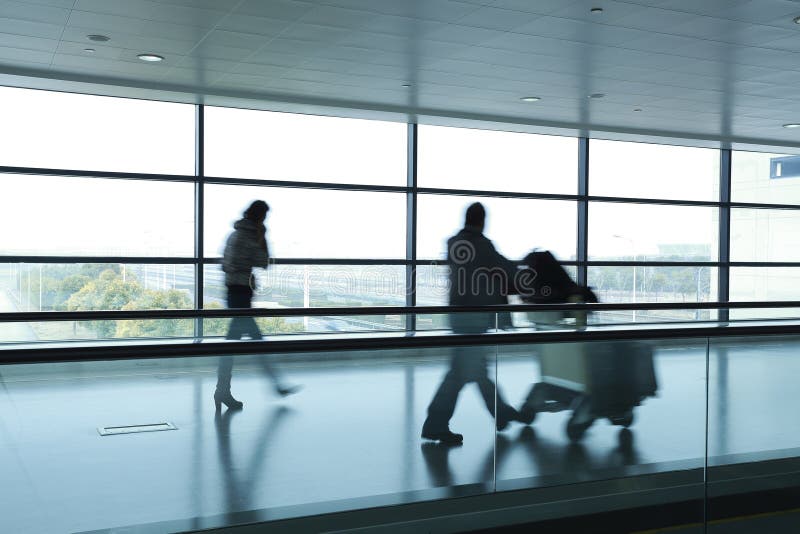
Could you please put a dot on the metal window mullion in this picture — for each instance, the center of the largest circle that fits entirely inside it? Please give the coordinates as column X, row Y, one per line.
column 723, row 277
column 199, row 201
column 583, row 211
column 411, row 225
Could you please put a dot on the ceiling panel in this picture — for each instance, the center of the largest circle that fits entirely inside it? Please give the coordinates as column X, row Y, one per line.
column 703, row 68
column 34, row 12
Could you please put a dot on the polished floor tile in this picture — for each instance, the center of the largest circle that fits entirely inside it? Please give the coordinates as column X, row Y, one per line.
column 350, row 435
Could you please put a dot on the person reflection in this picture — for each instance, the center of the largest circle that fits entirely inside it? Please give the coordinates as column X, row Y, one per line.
column 245, row 248
column 479, row 275
column 529, row 460
column 241, row 483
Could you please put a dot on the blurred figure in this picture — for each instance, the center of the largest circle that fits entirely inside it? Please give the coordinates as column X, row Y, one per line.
column 479, row 275
column 245, row 248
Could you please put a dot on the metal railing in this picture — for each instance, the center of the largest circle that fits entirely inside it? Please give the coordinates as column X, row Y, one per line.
column 360, row 341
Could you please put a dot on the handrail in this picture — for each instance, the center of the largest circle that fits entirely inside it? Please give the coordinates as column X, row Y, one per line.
column 375, row 310
column 127, row 350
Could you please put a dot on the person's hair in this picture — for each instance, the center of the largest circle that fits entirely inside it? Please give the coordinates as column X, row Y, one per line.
column 476, row 215
column 256, row 211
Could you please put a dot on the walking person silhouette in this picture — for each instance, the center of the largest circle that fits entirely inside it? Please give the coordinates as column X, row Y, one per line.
column 479, row 275
column 245, row 249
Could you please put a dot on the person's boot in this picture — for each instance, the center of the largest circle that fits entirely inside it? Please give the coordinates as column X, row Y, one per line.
column 440, row 433
column 224, row 397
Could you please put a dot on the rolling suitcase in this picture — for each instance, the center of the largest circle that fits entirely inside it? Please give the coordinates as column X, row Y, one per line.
column 594, row 380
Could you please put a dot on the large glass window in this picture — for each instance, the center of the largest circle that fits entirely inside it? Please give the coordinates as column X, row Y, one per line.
column 622, row 169
column 463, row 158
column 646, row 283
column 516, row 226
column 314, row 286
column 45, row 129
column 242, row 143
column 642, row 232
column 765, row 178
column 312, row 223
column 44, row 287
column 765, row 235
column 71, row 216
column 764, row 284
column 76, row 218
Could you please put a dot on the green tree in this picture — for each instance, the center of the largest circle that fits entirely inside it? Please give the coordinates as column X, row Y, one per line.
column 172, row 299
column 107, row 292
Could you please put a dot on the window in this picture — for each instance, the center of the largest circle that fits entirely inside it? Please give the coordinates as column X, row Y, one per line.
column 463, row 158
column 622, row 169
column 312, row 223
column 71, row 216
column 642, row 232
column 244, row 143
column 515, row 226
column 765, row 178
column 764, row 284
column 765, row 235
column 47, row 287
column 45, row 129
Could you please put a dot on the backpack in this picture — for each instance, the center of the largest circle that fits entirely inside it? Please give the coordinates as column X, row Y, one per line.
column 545, row 281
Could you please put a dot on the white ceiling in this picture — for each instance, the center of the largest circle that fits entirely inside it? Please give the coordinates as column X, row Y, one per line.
column 717, row 69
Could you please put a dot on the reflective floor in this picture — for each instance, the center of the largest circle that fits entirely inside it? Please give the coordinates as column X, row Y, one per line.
column 350, row 438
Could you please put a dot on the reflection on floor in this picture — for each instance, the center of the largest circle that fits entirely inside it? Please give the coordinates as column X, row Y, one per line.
column 352, row 433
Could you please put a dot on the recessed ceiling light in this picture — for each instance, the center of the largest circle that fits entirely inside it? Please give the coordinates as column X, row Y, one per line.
column 792, row 125
column 89, row 50
column 596, row 10
column 98, row 38
column 406, row 85
column 597, row 95
column 796, row 20
column 637, row 110
column 152, row 58
column 530, row 98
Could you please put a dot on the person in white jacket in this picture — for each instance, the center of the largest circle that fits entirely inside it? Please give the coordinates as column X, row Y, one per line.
column 245, row 249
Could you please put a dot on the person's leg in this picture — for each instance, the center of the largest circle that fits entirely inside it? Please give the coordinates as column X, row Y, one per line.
column 248, row 324
column 478, row 373
column 443, row 404
column 223, row 395
column 250, row 327
column 238, row 298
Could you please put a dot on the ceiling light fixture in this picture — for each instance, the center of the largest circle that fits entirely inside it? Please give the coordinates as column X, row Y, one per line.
column 530, row 98
column 98, row 38
column 597, row 95
column 637, row 110
column 406, row 85
column 796, row 20
column 89, row 50
column 151, row 58
column 596, row 10
column 792, row 125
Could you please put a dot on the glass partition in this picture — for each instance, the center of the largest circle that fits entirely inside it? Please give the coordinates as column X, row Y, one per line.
column 753, row 437
column 606, row 411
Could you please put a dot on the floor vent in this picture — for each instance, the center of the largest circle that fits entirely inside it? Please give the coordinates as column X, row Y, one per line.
column 134, row 429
